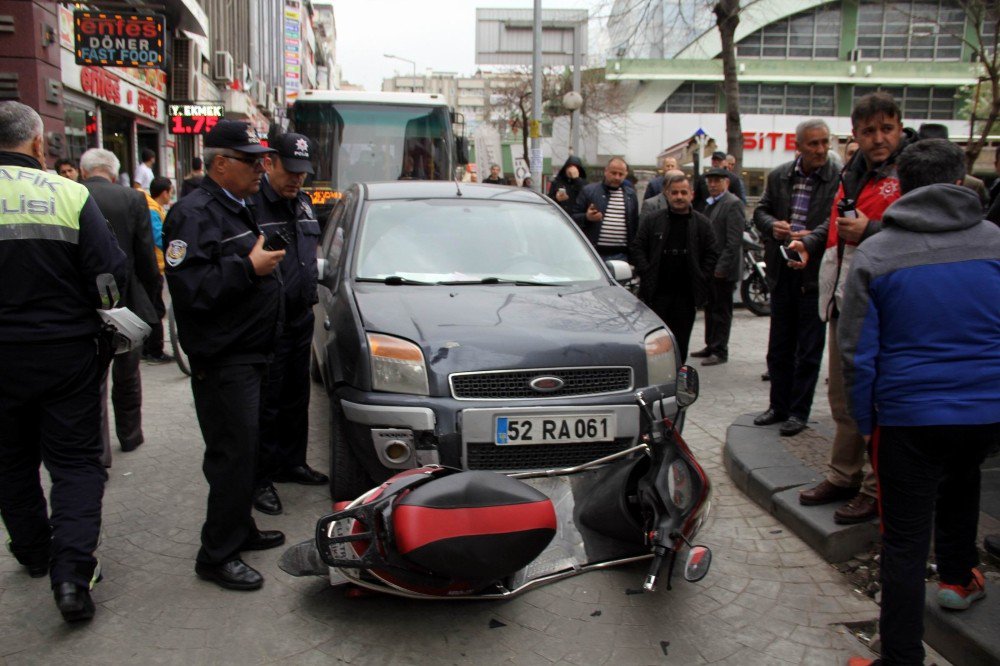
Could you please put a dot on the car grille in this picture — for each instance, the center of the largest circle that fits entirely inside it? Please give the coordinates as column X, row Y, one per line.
column 545, row 456
column 514, row 384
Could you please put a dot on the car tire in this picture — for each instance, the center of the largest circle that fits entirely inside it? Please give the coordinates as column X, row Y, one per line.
column 348, row 478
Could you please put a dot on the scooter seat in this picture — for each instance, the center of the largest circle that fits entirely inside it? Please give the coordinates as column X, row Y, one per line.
column 473, row 525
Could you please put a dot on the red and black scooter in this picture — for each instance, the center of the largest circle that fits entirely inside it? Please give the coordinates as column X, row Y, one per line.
column 436, row 532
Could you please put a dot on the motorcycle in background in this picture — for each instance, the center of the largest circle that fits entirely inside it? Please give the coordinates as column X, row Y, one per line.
column 753, row 288
column 441, row 533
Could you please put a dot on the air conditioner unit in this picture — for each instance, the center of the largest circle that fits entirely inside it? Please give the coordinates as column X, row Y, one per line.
column 260, row 93
column 224, row 66
column 185, row 67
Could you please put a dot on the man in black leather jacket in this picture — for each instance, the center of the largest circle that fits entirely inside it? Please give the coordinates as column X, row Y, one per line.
column 796, row 200
column 674, row 253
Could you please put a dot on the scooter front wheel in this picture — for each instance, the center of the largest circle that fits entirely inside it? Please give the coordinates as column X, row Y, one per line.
column 755, row 294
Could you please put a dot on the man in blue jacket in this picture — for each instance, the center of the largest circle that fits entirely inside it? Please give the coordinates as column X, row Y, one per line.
column 608, row 212
column 919, row 335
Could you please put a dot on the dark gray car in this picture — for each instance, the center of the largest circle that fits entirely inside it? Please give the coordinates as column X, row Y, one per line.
column 474, row 326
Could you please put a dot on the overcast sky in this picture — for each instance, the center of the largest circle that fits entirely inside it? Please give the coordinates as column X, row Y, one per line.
column 436, row 34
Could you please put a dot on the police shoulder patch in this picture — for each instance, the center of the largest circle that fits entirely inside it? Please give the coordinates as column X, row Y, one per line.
column 176, row 252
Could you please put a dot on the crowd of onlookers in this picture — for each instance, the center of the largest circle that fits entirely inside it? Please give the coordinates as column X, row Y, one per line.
column 891, row 257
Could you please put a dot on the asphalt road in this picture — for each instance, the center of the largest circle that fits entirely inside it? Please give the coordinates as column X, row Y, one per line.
column 767, row 600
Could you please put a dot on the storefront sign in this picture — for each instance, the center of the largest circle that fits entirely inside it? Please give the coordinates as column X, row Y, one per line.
column 772, row 141
column 103, row 84
column 193, row 118
column 293, row 61
column 118, row 39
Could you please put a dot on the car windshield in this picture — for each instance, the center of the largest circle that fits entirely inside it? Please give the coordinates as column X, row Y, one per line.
column 471, row 241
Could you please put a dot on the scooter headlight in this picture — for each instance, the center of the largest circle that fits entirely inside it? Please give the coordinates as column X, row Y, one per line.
column 679, row 485
column 397, row 365
column 661, row 359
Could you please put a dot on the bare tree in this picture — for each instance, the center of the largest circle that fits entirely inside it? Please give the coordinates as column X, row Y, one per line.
column 727, row 17
column 984, row 108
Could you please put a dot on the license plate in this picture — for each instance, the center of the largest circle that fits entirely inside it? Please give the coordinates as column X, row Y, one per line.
column 555, row 429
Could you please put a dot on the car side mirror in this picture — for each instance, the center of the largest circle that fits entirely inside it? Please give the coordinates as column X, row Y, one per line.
column 687, row 386
column 620, row 270
column 462, row 149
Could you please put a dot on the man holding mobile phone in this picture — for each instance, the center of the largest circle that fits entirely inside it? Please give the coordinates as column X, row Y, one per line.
column 226, row 292
column 869, row 185
column 286, row 216
column 796, row 200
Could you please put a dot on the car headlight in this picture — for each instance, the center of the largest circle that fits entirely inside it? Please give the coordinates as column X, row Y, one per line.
column 661, row 361
column 397, row 365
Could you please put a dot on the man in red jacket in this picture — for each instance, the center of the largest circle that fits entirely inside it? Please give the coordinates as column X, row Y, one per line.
column 868, row 186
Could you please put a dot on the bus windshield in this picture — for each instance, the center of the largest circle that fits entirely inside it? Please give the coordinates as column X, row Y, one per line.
column 372, row 142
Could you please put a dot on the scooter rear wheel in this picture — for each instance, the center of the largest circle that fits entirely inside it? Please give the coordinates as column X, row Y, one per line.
column 755, row 294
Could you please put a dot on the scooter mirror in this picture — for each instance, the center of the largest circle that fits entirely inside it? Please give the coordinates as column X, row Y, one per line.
column 699, row 559
column 687, row 386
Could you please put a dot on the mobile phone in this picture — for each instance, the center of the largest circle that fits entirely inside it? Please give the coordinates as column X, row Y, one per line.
column 789, row 255
column 279, row 240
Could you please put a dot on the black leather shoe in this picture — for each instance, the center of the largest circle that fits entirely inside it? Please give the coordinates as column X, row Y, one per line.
column 303, row 474
column 793, row 426
column 39, row 570
column 714, row 360
column 264, row 539
column 767, row 418
column 701, row 353
column 266, row 500
column 232, row 575
column 74, row 602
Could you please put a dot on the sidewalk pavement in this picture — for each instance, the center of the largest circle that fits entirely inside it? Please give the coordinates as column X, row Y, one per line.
column 772, row 470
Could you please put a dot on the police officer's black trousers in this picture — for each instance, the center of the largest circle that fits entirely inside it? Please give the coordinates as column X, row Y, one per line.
column 227, row 401
column 50, row 412
column 284, row 410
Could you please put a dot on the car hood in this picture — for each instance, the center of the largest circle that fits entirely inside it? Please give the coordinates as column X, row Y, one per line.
column 467, row 328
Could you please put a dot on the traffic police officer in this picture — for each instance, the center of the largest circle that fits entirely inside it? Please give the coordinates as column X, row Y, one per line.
column 54, row 243
column 226, row 294
column 283, row 208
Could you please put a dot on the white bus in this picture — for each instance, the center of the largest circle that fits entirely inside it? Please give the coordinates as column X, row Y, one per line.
column 364, row 136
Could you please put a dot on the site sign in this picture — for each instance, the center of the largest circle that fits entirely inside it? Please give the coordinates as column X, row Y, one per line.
column 118, row 39
column 193, row 118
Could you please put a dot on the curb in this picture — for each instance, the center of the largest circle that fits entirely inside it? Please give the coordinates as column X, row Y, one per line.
column 761, row 467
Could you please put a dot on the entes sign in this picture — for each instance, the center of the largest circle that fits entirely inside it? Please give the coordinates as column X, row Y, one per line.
column 118, row 39
column 194, row 118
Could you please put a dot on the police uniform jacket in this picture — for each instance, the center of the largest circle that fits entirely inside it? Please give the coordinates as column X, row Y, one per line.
column 226, row 313
column 298, row 269
column 54, row 242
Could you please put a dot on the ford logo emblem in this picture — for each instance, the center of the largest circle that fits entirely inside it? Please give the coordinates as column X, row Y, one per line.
column 546, row 384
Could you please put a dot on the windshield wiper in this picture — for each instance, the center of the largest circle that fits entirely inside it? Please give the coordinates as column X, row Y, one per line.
column 496, row 280
column 392, row 279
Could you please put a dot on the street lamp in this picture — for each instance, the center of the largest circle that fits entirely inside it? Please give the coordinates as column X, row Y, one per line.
column 573, row 101
column 413, row 81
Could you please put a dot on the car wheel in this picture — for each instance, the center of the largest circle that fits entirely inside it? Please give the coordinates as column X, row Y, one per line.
column 348, row 478
column 755, row 295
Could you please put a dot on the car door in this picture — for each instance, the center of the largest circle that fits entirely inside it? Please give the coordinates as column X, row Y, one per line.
column 333, row 250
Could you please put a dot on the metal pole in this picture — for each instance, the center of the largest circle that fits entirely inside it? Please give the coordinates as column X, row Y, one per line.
column 575, row 119
column 536, row 102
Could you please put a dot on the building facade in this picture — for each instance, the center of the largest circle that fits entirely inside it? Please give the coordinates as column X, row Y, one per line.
column 796, row 59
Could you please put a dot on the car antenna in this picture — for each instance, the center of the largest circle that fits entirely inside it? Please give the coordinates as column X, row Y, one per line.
column 458, row 188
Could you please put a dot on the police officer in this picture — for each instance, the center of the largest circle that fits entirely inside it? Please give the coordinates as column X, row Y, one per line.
column 282, row 208
column 54, row 242
column 226, row 294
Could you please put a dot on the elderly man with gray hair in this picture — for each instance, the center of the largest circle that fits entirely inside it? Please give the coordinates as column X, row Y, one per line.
column 127, row 212
column 796, row 200
column 54, row 243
